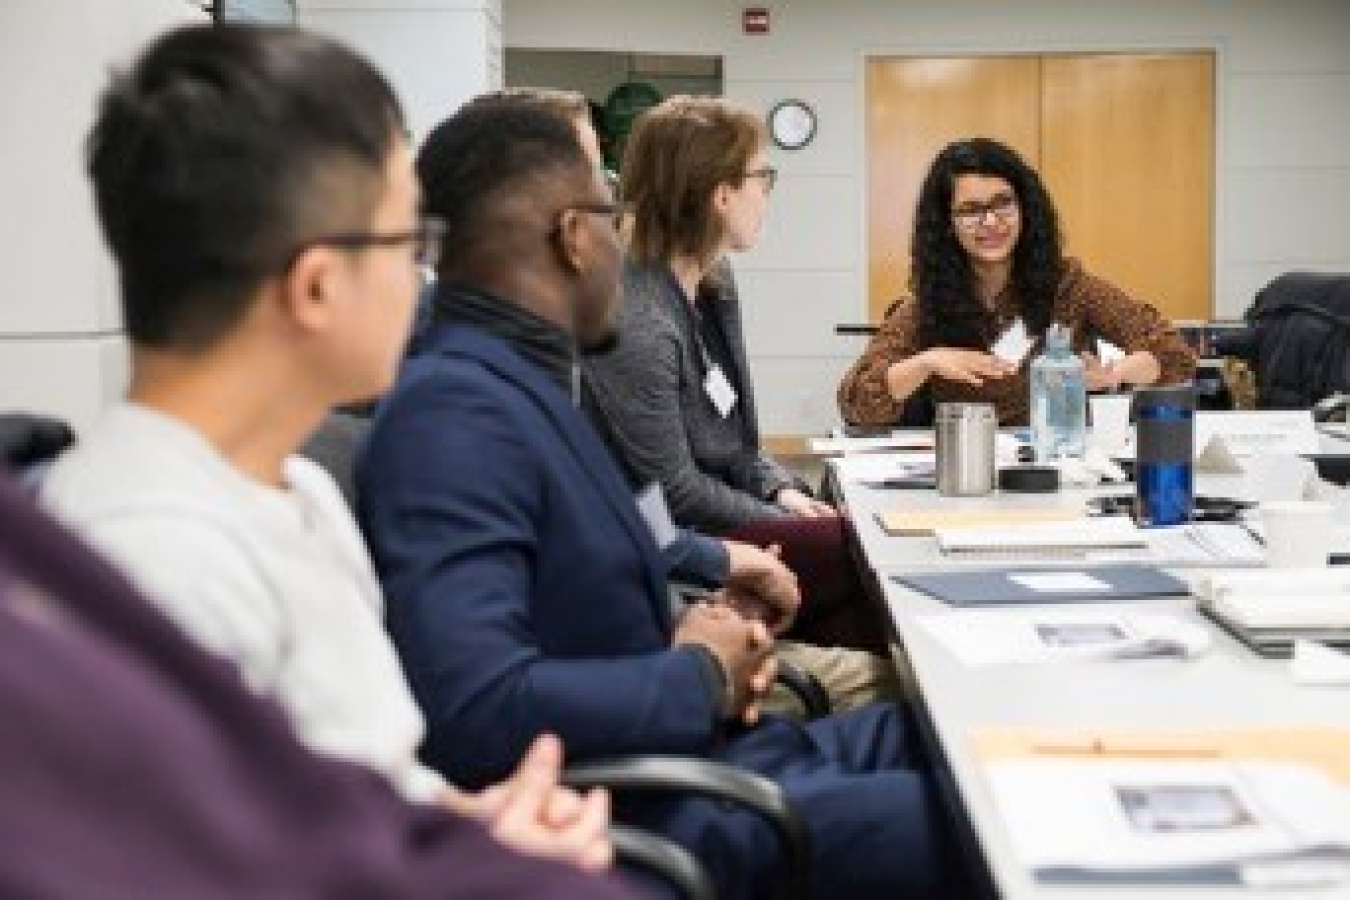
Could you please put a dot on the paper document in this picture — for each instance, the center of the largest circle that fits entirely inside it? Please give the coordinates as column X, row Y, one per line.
column 897, row 440
column 1046, row 635
column 927, row 521
column 1097, row 819
column 1315, row 664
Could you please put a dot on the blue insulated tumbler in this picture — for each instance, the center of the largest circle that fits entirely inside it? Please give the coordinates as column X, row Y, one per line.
column 1164, row 443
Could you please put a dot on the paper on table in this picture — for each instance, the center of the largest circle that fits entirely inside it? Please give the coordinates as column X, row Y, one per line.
column 928, row 521
column 1093, row 819
column 1315, row 664
column 1058, row 634
column 1013, row 344
column 899, row 440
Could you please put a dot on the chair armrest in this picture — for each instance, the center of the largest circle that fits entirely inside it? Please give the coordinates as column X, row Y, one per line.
column 681, row 775
column 665, row 858
column 807, row 688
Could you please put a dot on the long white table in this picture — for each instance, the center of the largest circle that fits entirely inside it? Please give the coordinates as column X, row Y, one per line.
column 1227, row 687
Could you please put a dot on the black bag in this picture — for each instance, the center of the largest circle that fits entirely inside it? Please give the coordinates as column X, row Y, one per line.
column 1300, row 339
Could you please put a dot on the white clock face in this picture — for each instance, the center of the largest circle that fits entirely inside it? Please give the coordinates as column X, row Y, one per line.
column 793, row 124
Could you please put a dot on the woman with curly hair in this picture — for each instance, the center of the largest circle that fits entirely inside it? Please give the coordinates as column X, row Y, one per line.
column 987, row 252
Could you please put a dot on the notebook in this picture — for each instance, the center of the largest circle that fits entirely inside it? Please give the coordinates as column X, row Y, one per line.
column 1012, row 587
column 1076, row 539
column 910, row 522
column 1268, row 611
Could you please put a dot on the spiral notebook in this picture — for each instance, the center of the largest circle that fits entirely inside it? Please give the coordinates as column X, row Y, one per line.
column 1076, row 539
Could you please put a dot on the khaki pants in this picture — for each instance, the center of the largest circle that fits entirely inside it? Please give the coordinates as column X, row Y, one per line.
column 851, row 678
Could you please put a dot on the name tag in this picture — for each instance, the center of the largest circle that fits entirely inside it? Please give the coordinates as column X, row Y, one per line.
column 651, row 502
column 719, row 391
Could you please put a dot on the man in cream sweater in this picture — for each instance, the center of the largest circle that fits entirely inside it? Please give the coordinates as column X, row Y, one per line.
column 267, row 241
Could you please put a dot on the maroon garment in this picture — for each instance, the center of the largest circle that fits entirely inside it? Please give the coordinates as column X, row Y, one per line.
column 133, row 764
column 836, row 610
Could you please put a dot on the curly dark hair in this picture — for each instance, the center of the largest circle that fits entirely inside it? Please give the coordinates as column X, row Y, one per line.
column 941, row 277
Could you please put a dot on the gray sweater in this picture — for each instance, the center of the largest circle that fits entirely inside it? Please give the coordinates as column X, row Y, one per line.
column 648, row 395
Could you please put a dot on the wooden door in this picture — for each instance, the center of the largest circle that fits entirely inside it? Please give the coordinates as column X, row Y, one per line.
column 915, row 107
column 1127, row 152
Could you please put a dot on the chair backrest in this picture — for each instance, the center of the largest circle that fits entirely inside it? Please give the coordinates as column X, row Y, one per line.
column 335, row 445
column 1301, row 352
column 30, row 442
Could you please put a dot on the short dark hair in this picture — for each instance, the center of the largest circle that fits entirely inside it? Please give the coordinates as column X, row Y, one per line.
column 942, row 280
column 218, row 154
column 484, row 154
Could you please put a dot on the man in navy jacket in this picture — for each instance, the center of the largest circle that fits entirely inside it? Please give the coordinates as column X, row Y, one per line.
column 526, row 592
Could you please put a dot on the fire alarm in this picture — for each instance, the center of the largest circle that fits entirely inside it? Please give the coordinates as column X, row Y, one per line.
column 755, row 19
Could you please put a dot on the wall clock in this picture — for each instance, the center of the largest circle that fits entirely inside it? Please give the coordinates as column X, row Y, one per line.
column 792, row 124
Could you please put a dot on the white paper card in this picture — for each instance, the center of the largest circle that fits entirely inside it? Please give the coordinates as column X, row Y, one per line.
column 1287, row 432
column 1013, row 344
column 651, row 502
column 1108, row 352
column 1060, row 582
column 719, row 391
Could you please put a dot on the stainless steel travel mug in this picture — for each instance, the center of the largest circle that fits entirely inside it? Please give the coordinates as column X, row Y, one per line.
column 965, row 448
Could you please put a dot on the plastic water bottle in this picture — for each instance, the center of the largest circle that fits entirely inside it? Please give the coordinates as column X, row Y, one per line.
column 1058, row 399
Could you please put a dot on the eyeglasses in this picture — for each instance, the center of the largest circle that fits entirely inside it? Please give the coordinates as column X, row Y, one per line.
column 768, row 173
column 971, row 216
column 597, row 207
column 425, row 240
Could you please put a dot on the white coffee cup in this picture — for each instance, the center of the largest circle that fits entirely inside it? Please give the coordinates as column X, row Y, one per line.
column 1111, row 430
column 1299, row 533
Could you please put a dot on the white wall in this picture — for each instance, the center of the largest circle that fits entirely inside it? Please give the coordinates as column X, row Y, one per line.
column 436, row 53
column 1283, row 173
column 60, row 345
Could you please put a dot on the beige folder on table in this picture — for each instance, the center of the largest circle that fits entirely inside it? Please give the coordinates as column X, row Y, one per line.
column 1325, row 748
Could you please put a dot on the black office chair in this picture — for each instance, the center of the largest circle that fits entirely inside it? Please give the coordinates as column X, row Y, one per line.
column 1298, row 342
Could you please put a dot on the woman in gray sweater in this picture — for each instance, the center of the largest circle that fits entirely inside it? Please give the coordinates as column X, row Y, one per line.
column 674, row 395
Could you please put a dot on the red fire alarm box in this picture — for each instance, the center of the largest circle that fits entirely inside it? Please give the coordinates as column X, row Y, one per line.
column 755, row 19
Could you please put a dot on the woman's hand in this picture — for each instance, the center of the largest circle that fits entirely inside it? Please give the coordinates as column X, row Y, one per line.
column 797, row 503
column 1140, row 367
column 967, row 366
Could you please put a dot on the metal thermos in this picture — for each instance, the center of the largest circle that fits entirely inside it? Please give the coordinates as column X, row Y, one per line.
column 965, row 448
column 1164, row 421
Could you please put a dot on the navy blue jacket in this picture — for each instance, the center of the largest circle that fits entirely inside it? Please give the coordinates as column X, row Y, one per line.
column 525, row 592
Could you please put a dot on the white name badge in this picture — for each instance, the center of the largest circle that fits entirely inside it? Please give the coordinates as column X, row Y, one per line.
column 651, row 502
column 1013, row 344
column 719, row 391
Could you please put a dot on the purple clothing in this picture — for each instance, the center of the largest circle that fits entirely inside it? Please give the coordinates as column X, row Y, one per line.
column 134, row 764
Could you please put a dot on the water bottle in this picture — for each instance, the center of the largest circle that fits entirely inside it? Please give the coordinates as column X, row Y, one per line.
column 1058, row 399
column 1164, row 451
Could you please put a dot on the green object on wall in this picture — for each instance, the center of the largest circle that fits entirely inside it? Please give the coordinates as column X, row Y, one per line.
column 622, row 107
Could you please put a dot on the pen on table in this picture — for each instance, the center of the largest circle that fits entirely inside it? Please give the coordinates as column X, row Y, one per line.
column 1101, row 747
column 910, row 484
column 1252, row 532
